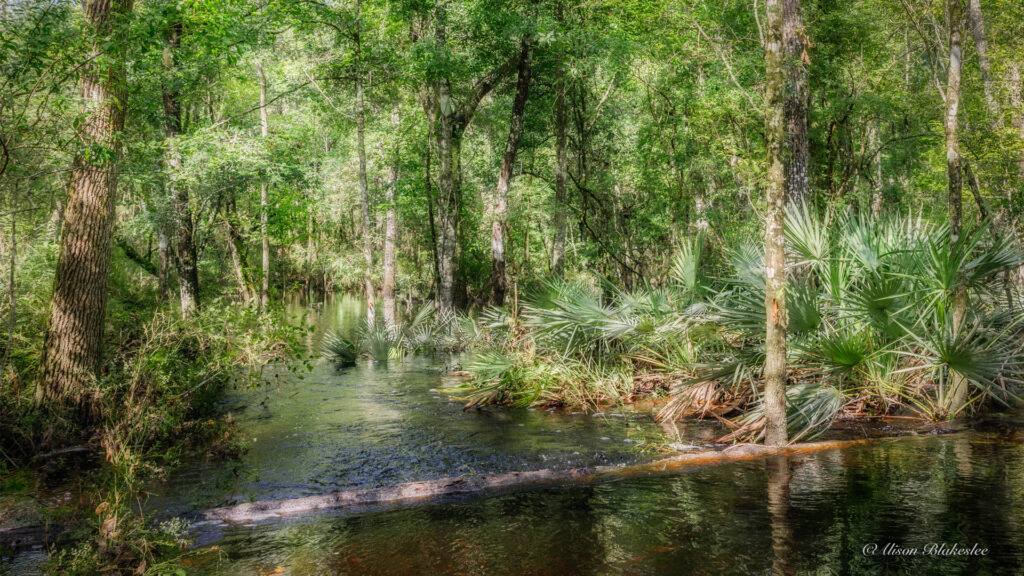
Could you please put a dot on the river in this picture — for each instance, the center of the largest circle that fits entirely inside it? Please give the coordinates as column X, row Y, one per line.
column 904, row 506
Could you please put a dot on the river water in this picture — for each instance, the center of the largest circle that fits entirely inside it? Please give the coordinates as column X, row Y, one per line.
column 887, row 507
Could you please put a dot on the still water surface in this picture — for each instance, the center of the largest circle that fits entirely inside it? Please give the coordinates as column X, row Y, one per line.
column 838, row 512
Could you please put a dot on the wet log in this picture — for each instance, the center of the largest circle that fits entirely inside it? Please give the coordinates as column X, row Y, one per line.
column 430, row 489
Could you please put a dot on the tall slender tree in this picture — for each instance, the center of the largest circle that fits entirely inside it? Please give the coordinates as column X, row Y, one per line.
column 1017, row 101
column 774, row 240
column 977, row 22
column 72, row 350
column 561, row 158
column 264, row 301
column 957, row 393
column 188, row 270
column 795, row 62
column 364, row 189
column 391, row 223
column 515, row 132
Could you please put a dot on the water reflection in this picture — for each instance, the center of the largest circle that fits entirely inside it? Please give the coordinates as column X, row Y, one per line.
column 778, row 510
column 378, row 424
column 810, row 514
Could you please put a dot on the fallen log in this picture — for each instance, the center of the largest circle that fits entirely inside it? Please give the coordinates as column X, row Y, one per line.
column 418, row 491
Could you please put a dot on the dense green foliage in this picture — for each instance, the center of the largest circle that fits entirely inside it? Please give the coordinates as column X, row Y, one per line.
column 313, row 147
column 870, row 326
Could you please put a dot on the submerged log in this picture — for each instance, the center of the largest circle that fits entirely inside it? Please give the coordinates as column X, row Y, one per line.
column 418, row 491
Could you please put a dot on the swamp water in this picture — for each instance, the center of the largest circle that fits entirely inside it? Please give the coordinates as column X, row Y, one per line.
column 863, row 510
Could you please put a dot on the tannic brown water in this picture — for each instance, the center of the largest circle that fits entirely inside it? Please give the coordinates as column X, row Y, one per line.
column 902, row 506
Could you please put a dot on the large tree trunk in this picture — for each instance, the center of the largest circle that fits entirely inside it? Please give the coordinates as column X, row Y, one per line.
column 561, row 167
column 795, row 62
column 774, row 240
column 515, row 131
column 958, row 385
column 188, row 269
column 264, row 197
column 391, row 225
column 450, row 125
column 981, row 47
column 72, row 351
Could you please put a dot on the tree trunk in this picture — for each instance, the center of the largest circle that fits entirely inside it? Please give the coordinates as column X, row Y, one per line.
column 450, row 125
column 776, row 106
column 236, row 247
column 958, row 385
column 1017, row 101
column 448, row 194
column 795, row 62
column 188, row 270
column 264, row 198
column 877, row 197
column 981, row 46
column 163, row 248
column 364, row 189
column 515, row 131
column 72, row 351
column 391, row 225
column 561, row 165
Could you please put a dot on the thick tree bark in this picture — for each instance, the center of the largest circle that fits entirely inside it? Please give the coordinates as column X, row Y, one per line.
column 391, row 225
column 451, row 120
column 957, row 394
column 188, row 269
column 795, row 62
column 72, row 351
column 561, row 164
column 515, row 132
column 775, row 255
column 264, row 198
column 977, row 22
